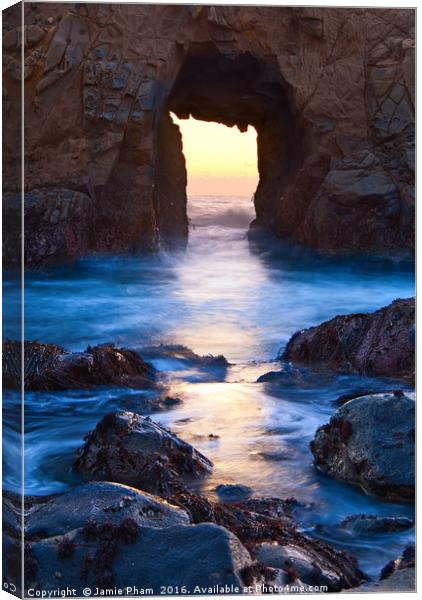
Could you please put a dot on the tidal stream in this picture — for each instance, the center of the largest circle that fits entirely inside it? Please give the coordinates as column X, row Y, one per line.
column 223, row 295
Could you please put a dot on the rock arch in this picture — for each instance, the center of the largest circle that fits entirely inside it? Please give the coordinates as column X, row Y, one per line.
column 331, row 92
column 239, row 90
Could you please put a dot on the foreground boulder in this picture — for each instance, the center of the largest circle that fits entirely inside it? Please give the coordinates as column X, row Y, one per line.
column 190, row 557
column 50, row 367
column 370, row 441
column 104, row 534
column 377, row 344
column 127, row 448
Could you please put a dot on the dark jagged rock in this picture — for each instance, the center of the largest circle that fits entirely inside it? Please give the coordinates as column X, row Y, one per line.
column 258, row 521
column 374, row 524
column 377, row 344
column 50, row 367
column 370, row 441
column 130, row 449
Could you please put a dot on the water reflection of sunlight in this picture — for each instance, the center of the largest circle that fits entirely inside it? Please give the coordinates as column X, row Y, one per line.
column 252, row 437
column 233, row 412
column 219, row 282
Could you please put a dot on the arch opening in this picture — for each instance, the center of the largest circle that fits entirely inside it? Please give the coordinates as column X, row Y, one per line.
column 220, row 160
column 238, row 90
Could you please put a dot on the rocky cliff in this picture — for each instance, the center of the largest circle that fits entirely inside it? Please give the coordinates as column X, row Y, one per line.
column 329, row 90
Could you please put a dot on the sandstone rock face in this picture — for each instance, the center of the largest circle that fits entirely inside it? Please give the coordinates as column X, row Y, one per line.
column 329, row 90
column 380, row 343
column 370, row 442
column 49, row 367
column 57, row 225
column 130, row 449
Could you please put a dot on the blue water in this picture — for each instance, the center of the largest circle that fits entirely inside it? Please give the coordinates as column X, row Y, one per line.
column 223, row 295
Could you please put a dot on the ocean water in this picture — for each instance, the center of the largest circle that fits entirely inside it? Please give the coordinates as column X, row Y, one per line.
column 224, row 295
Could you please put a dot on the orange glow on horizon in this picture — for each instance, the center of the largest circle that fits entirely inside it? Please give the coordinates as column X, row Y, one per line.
column 220, row 160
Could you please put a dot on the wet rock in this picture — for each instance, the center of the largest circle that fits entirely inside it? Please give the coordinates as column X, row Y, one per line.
column 376, row 344
column 103, row 534
column 269, row 522
column 100, row 533
column 170, row 401
column 370, row 441
column 58, row 224
column 258, row 521
column 399, row 575
column 363, row 392
column 70, row 524
column 50, row 367
column 292, row 376
column 368, row 197
column 11, row 513
column 179, row 556
column 405, row 561
column 403, row 580
column 185, row 355
column 175, row 357
column 127, row 448
column 374, row 524
column 233, row 492
column 296, row 562
column 147, row 401
column 92, row 505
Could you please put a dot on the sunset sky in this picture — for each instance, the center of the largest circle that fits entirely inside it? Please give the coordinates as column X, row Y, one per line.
column 220, row 160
